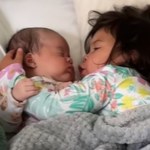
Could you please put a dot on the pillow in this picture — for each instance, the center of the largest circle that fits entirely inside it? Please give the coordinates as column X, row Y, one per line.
column 4, row 33
column 2, row 52
column 83, row 7
column 58, row 15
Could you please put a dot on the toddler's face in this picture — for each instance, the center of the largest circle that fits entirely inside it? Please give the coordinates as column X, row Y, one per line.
column 53, row 60
column 100, row 48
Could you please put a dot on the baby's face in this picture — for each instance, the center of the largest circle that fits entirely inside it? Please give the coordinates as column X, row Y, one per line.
column 53, row 60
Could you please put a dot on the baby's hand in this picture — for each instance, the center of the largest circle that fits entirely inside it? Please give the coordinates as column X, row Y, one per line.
column 62, row 85
column 24, row 89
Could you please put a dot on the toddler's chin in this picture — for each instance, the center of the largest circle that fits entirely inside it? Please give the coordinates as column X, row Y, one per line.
column 82, row 75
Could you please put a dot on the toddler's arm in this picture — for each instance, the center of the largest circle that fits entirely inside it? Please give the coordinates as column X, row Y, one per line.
column 62, row 85
column 88, row 95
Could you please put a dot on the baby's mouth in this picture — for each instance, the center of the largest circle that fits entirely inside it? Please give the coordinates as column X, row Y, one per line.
column 70, row 69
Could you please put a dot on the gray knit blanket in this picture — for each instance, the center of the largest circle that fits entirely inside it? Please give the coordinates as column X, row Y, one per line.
column 87, row 131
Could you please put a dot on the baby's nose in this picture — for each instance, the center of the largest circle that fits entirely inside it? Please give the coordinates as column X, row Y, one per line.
column 69, row 59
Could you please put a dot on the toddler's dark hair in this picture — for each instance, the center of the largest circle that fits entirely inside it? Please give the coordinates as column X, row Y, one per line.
column 130, row 27
column 28, row 39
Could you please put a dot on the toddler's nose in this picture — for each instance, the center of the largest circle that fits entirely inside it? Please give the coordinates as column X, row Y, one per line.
column 85, row 58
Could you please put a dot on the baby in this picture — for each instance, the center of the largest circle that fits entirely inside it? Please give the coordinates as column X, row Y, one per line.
column 46, row 61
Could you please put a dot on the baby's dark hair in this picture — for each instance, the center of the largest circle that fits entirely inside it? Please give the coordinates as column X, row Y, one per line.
column 28, row 39
column 130, row 27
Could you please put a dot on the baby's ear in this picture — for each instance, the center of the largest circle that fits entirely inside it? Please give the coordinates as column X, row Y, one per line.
column 29, row 61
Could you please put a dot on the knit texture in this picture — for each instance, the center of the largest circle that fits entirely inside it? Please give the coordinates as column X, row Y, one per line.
column 86, row 131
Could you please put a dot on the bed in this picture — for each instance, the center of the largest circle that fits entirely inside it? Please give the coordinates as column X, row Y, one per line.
column 81, row 131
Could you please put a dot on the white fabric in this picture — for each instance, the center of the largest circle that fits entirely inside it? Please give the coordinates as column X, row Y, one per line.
column 2, row 52
column 58, row 15
column 83, row 7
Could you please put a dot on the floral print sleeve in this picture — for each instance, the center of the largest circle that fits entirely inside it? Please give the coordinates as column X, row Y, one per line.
column 88, row 95
column 10, row 109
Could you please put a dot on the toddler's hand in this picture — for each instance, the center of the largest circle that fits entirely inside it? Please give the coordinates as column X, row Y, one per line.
column 62, row 85
column 24, row 89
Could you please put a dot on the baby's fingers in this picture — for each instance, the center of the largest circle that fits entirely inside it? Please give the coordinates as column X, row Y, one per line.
column 28, row 82
column 32, row 88
column 32, row 93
